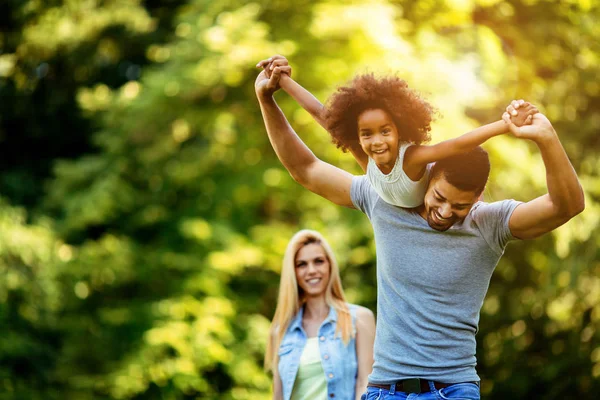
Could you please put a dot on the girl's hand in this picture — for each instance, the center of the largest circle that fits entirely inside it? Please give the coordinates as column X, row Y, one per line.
column 275, row 61
column 521, row 112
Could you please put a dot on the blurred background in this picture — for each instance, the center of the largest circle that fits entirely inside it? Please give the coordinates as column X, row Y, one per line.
column 144, row 215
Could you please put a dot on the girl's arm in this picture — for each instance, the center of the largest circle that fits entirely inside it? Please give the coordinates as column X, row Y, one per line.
column 365, row 338
column 315, row 108
column 307, row 101
column 417, row 157
column 305, row 98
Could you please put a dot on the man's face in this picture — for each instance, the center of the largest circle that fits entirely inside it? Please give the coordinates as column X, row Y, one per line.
column 378, row 137
column 444, row 204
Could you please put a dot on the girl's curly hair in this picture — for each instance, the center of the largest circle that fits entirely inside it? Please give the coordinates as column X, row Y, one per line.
column 411, row 114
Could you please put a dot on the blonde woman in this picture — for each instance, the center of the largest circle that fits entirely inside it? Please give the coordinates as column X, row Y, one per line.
column 320, row 347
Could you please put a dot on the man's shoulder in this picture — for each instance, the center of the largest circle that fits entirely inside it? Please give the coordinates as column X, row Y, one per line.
column 366, row 199
column 362, row 181
column 362, row 193
column 492, row 209
column 493, row 217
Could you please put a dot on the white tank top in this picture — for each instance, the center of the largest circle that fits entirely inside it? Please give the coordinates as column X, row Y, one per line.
column 396, row 188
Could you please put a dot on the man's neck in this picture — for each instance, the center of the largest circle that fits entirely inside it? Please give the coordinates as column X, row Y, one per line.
column 421, row 211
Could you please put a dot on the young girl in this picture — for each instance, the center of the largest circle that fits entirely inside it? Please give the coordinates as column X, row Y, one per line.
column 384, row 124
column 321, row 347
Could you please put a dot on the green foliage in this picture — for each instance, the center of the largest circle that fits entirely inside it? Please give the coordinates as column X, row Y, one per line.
column 141, row 243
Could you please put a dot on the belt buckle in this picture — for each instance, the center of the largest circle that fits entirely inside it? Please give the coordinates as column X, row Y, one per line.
column 412, row 385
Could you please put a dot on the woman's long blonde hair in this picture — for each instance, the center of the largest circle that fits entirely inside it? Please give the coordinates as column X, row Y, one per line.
column 289, row 300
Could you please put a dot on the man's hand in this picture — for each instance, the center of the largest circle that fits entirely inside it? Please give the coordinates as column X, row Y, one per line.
column 521, row 112
column 317, row 176
column 268, row 83
column 565, row 197
column 539, row 130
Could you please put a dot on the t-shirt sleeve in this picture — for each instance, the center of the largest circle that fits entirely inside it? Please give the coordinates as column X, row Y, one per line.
column 363, row 195
column 492, row 220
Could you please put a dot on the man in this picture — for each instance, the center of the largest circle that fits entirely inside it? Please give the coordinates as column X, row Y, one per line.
column 434, row 263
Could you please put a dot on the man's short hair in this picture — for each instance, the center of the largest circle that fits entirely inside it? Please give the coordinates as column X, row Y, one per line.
column 467, row 171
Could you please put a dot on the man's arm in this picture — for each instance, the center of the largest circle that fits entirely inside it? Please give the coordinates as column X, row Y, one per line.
column 565, row 197
column 417, row 157
column 317, row 176
column 307, row 101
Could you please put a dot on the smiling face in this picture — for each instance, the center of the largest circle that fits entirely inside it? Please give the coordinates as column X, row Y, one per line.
column 444, row 204
column 378, row 137
column 312, row 270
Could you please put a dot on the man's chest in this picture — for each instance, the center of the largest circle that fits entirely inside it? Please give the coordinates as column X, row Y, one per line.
column 417, row 256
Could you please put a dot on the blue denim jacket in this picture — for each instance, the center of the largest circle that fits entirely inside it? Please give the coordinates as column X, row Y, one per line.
column 338, row 360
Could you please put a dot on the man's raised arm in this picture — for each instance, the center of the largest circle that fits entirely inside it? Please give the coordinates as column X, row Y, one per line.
column 317, row 176
column 565, row 197
column 307, row 101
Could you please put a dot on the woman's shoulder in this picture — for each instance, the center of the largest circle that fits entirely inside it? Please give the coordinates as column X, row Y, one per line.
column 360, row 311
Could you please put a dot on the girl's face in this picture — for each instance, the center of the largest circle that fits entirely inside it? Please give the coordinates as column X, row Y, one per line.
column 378, row 137
column 312, row 270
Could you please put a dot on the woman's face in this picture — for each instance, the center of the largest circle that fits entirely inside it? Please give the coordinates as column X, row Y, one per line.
column 312, row 270
column 378, row 137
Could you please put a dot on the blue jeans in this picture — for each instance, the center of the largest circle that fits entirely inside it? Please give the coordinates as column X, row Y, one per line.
column 458, row 391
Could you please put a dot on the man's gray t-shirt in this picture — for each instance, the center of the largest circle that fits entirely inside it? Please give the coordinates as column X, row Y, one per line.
column 431, row 286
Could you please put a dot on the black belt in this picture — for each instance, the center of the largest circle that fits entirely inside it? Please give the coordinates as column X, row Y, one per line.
column 414, row 385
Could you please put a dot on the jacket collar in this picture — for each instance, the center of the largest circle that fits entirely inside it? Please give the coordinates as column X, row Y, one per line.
column 297, row 321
